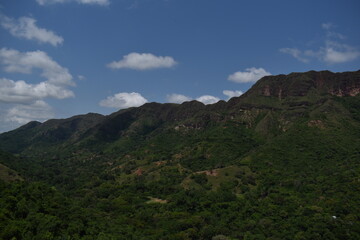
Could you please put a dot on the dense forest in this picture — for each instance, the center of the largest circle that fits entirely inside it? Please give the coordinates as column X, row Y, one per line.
column 279, row 162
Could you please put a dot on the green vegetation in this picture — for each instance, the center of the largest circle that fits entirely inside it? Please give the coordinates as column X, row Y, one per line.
column 257, row 167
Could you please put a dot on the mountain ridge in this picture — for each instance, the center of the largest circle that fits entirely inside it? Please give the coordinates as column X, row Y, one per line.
column 279, row 93
column 270, row 86
column 259, row 166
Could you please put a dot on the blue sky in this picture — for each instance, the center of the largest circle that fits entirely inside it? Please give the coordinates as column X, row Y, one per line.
column 60, row 58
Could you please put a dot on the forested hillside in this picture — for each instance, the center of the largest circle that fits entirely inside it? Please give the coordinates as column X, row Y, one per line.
column 281, row 161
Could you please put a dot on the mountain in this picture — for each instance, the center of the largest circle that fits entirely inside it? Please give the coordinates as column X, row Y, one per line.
column 279, row 162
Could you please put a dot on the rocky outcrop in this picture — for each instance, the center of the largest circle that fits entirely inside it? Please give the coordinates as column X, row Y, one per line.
column 301, row 84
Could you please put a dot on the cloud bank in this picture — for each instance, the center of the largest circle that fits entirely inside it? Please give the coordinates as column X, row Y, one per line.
column 25, row 27
column 143, row 61
column 22, row 102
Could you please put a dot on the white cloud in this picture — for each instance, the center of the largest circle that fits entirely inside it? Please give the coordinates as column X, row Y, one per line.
column 207, row 99
column 93, row 2
column 21, row 102
column 123, row 100
column 143, row 61
column 338, row 53
column 296, row 53
column 332, row 52
column 25, row 27
column 58, row 78
column 22, row 114
column 249, row 75
column 231, row 94
column 177, row 98
column 16, row 61
column 21, row 92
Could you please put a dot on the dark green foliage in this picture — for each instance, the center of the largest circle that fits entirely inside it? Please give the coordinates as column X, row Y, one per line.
column 352, row 105
column 280, row 162
column 200, row 178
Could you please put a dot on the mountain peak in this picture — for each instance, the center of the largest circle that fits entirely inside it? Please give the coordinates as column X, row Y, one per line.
column 301, row 84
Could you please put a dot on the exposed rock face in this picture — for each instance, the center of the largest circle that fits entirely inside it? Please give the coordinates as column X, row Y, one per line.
column 352, row 91
column 266, row 91
column 300, row 84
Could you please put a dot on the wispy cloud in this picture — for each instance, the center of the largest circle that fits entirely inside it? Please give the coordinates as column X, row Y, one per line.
column 123, row 100
column 143, row 61
column 81, row 77
column 25, row 27
column 92, row 2
column 327, row 26
column 296, row 53
column 250, row 75
column 332, row 52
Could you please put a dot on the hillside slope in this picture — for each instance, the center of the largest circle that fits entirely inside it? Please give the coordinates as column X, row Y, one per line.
column 279, row 162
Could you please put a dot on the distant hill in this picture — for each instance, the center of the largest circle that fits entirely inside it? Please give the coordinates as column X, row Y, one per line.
column 279, row 162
